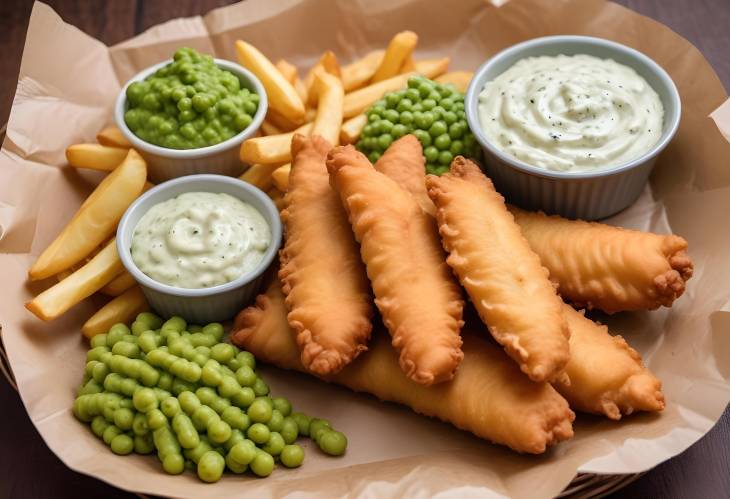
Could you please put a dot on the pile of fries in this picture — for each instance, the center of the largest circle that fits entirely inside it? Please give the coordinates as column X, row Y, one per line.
column 329, row 101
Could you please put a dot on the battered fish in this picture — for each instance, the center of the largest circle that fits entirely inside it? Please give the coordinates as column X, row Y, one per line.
column 324, row 280
column 596, row 265
column 606, row 374
column 501, row 274
column 403, row 162
column 489, row 396
column 414, row 290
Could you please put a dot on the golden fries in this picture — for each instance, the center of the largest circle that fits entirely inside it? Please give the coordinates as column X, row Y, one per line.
column 113, row 137
column 280, row 176
column 399, row 50
column 431, row 68
column 287, row 70
column 352, row 128
column 328, row 63
column 301, row 89
column 81, row 284
column 95, row 156
column 282, row 96
column 119, row 284
column 408, row 66
column 123, row 308
column 96, row 220
column 259, row 175
column 460, row 79
column 277, row 197
column 270, row 129
column 356, row 102
column 328, row 121
column 360, row 72
column 272, row 148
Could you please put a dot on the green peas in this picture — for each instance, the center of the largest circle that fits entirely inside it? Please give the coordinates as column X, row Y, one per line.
column 431, row 153
column 174, row 324
column 442, row 142
column 179, row 386
column 219, row 431
column 139, row 424
column 204, row 416
column 260, row 388
column 186, row 434
column 170, row 407
column 275, row 444
column 276, row 423
column 211, row 466
column 423, row 136
column 236, row 437
column 243, row 452
column 96, row 352
column 153, row 321
column 174, row 464
column 303, row 422
column 98, row 341
column 156, row 419
column 246, row 359
column 282, row 405
column 245, row 376
column 332, row 442
column 145, row 400
column 292, row 456
column 143, row 444
column 457, row 148
column 198, row 339
column 399, row 131
column 259, row 411
column 110, row 433
column 262, row 465
column 289, row 430
column 194, row 328
column 234, row 466
column 98, row 425
column 196, row 453
column 438, row 128
column 445, row 157
column 244, row 397
column 385, row 126
column 165, row 381
column 122, row 445
column 318, row 426
column 189, row 402
column 404, row 105
column 206, row 395
column 123, row 418
column 385, row 140
column 259, row 433
column 215, row 330
column 91, row 386
column 116, row 333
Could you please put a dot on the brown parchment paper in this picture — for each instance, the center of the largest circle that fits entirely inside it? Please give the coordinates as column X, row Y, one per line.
column 65, row 93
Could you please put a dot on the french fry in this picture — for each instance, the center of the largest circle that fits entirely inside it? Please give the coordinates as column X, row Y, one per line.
column 281, row 93
column 259, row 175
column 359, row 73
column 328, row 63
column 328, row 121
column 81, row 284
column 460, row 79
column 96, row 220
column 272, row 148
column 408, row 65
column 431, row 68
column 301, row 90
column 123, row 308
column 352, row 128
column 356, row 102
column 119, row 284
column 311, row 114
column 280, row 176
column 280, row 121
column 270, row 129
column 113, row 137
column 399, row 49
column 277, row 197
column 287, row 70
column 95, row 156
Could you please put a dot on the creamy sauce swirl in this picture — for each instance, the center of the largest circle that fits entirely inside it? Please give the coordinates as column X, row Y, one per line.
column 571, row 113
column 200, row 240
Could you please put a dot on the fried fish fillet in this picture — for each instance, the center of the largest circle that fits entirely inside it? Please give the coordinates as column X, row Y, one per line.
column 488, row 397
column 414, row 290
column 323, row 278
column 403, row 162
column 606, row 374
column 501, row 274
column 609, row 268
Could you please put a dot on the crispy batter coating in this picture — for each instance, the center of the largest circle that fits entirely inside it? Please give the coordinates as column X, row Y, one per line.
column 499, row 271
column 609, row 268
column 323, row 278
column 606, row 374
column 414, row 290
column 488, row 397
column 404, row 163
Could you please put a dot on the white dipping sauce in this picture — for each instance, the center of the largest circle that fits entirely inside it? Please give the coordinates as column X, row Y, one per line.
column 199, row 240
column 571, row 113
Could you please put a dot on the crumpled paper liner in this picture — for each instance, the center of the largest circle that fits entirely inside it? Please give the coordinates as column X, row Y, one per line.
column 67, row 85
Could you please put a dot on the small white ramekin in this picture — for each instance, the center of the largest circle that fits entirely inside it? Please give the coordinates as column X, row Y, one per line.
column 223, row 159
column 587, row 195
column 217, row 303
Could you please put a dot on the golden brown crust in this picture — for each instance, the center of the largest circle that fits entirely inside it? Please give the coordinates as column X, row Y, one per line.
column 606, row 374
column 414, row 290
column 609, row 268
column 499, row 271
column 324, row 281
column 489, row 396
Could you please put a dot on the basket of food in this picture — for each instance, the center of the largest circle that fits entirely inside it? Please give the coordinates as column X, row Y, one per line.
column 366, row 260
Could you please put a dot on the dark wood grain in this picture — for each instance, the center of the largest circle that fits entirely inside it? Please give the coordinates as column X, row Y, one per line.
column 28, row 469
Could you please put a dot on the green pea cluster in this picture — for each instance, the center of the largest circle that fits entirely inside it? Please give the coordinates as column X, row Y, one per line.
column 432, row 112
column 189, row 103
column 177, row 390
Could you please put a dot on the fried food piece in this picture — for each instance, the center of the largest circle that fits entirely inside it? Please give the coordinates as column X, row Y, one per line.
column 357, row 74
column 599, row 266
column 271, row 149
column 352, row 128
column 501, row 274
column 95, row 156
column 399, row 49
column 404, row 163
column 119, row 284
column 124, row 308
column 606, row 374
column 414, row 290
column 460, row 79
column 489, row 397
column 113, row 137
column 324, row 280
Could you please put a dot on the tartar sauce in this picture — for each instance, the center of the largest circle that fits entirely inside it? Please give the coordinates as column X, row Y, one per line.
column 571, row 113
column 199, row 240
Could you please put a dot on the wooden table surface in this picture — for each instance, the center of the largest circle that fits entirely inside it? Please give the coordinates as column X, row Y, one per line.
column 28, row 469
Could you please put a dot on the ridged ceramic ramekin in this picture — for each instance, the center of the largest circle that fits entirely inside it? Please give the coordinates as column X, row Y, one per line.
column 223, row 159
column 217, row 303
column 587, row 195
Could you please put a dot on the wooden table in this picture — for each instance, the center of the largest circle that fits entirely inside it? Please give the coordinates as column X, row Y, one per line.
column 29, row 470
